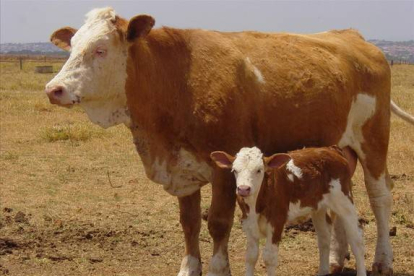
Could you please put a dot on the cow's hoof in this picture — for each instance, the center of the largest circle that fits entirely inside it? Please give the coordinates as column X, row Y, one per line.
column 219, row 272
column 190, row 266
column 336, row 269
column 380, row 269
column 219, row 265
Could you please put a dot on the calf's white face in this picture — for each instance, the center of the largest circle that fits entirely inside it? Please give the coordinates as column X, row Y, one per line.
column 249, row 167
column 95, row 74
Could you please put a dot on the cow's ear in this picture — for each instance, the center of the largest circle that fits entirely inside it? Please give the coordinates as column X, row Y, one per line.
column 62, row 37
column 276, row 160
column 222, row 159
column 139, row 26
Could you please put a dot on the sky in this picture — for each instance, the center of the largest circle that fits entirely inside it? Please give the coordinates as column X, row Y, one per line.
column 35, row 20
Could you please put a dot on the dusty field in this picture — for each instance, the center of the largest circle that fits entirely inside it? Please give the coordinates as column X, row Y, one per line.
column 74, row 199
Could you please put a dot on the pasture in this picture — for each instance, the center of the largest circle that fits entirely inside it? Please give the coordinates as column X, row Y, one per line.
column 75, row 200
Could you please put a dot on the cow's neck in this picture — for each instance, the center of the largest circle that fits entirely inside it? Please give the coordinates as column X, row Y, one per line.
column 156, row 86
column 108, row 112
column 158, row 101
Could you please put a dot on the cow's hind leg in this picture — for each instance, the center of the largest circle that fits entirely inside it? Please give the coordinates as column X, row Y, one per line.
column 379, row 185
column 379, row 192
column 220, row 220
column 190, row 218
column 367, row 133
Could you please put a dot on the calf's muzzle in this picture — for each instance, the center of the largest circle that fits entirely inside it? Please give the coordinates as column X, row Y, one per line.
column 243, row 190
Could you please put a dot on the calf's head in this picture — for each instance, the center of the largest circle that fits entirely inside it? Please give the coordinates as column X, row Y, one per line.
column 249, row 167
column 95, row 74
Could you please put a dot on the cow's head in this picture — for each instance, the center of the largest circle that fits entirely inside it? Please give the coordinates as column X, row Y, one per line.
column 249, row 167
column 94, row 76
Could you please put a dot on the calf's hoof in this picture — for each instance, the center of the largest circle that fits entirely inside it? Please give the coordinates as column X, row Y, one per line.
column 337, row 261
column 380, row 269
column 336, row 269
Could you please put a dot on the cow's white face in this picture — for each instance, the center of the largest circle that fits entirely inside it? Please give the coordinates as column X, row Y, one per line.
column 95, row 74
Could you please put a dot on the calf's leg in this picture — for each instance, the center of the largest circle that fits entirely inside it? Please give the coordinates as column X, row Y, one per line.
column 220, row 220
column 252, row 254
column 339, row 246
column 342, row 205
column 323, row 231
column 190, row 218
column 271, row 249
column 354, row 235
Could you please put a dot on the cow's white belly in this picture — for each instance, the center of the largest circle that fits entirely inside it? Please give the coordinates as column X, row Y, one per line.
column 183, row 178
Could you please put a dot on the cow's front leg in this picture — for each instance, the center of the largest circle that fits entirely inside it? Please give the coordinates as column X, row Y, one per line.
column 190, row 218
column 220, row 220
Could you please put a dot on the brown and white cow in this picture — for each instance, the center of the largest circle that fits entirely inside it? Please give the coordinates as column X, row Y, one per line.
column 187, row 92
column 282, row 188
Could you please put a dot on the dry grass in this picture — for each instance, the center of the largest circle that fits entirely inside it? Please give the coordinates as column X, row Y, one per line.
column 88, row 209
column 14, row 79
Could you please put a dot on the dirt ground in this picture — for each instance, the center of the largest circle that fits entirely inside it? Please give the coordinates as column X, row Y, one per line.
column 74, row 199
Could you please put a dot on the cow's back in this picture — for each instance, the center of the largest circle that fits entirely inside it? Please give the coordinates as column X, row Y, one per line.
column 280, row 91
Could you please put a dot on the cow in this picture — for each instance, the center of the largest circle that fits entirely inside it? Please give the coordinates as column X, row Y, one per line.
column 184, row 93
column 282, row 188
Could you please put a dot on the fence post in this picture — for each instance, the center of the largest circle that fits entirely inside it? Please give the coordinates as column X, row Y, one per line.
column 21, row 63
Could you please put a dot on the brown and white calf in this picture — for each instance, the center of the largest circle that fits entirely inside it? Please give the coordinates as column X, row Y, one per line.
column 282, row 188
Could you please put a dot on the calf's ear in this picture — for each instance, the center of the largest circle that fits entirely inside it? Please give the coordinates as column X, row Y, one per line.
column 62, row 37
column 222, row 159
column 276, row 160
column 139, row 26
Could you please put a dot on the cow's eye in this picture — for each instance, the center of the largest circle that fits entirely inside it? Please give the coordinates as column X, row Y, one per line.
column 259, row 171
column 100, row 52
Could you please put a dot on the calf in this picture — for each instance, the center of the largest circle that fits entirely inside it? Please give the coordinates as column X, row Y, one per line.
column 281, row 188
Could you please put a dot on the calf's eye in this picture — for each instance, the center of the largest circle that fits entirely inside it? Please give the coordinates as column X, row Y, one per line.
column 259, row 171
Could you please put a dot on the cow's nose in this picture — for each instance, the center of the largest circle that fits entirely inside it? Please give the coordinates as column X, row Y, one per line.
column 243, row 190
column 55, row 94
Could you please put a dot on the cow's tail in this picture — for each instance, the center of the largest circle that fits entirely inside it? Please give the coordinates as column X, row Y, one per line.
column 401, row 113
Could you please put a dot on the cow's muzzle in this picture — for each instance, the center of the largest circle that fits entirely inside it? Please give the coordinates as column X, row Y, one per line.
column 59, row 96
